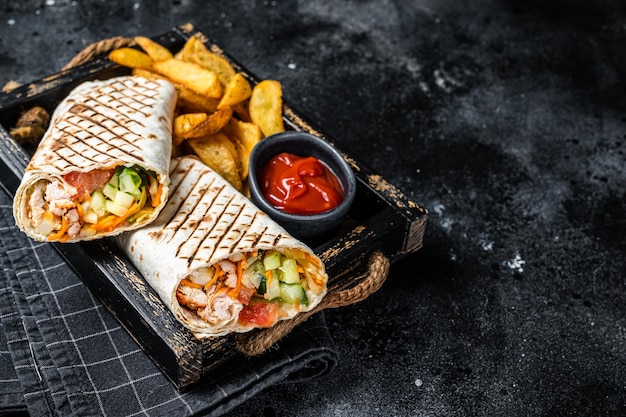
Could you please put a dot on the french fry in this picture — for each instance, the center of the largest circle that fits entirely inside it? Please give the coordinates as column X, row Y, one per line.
column 266, row 107
column 237, row 90
column 247, row 133
column 216, row 152
column 131, row 58
column 154, row 50
column 197, row 78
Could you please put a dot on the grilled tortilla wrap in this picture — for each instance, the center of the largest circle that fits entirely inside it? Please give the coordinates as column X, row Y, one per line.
column 102, row 166
column 219, row 263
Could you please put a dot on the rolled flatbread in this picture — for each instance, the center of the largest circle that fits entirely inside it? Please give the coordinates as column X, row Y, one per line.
column 102, row 166
column 219, row 263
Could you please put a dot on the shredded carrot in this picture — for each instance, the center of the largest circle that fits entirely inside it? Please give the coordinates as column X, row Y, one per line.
column 218, row 270
column 81, row 213
column 104, row 223
column 110, row 222
column 268, row 279
column 239, row 272
column 311, row 259
column 235, row 291
column 189, row 283
column 211, row 282
column 157, row 196
column 61, row 231
column 313, row 280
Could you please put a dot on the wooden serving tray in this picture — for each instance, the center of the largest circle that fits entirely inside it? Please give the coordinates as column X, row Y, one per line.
column 382, row 219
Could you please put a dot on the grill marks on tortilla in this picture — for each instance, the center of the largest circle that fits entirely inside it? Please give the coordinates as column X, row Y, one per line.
column 211, row 221
column 106, row 122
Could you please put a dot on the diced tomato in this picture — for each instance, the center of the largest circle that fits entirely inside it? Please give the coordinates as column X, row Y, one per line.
column 259, row 314
column 86, row 182
column 245, row 294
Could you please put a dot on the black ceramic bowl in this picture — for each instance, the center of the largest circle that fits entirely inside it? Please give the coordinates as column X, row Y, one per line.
column 302, row 144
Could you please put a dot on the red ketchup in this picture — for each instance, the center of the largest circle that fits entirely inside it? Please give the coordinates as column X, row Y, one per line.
column 300, row 185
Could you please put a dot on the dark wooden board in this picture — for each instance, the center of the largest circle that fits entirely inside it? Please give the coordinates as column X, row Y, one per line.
column 381, row 219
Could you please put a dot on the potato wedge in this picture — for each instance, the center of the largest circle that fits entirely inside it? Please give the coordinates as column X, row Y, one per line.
column 131, row 58
column 216, row 121
column 188, row 48
column 197, row 78
column 266, row 107
column 215, row 151
column 241, row 109
column 237, row 90
column 185, row 124
column 196, row 51
column 244, row 159
column 248, row 134
column 188, row 100
column 196, row 125
column 154, row 50
column 214, row 62
column 148, row 73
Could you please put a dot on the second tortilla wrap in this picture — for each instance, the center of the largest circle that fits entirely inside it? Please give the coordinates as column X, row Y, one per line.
column 219, row 263
column 117, row 131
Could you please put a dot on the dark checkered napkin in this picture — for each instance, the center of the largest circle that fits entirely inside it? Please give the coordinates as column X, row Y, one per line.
column 11, row 393
column 69, row 356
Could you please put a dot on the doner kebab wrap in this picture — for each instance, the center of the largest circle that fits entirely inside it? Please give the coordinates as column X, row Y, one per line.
column 219, row 263
column 102, row 166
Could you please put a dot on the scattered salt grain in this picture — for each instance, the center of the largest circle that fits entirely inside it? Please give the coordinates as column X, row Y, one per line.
column 516, row 263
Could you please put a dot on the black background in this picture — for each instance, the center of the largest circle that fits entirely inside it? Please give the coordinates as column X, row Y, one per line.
column 505, row 119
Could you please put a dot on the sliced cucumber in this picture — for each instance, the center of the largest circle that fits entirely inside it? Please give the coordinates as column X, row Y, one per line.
column 109, row 190
column 116, row 209
column 293, row 293
column 114, row 179
column 130, row 182
column 262, row 289
column 124, row 199
column 290, row 273
column 91, row 217
column 271, row 260
column 273, row 288
column 97, row 203
column 270, row 291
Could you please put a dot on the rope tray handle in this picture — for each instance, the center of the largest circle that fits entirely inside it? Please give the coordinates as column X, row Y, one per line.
column 98, row 48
